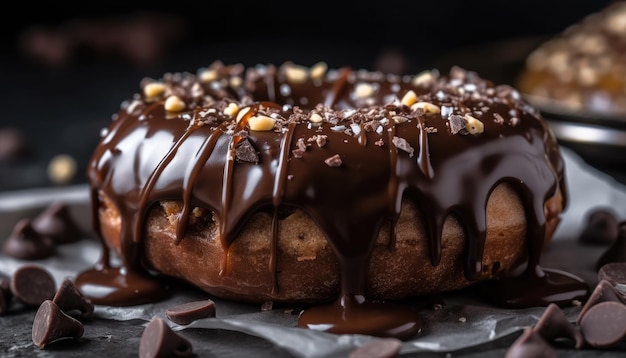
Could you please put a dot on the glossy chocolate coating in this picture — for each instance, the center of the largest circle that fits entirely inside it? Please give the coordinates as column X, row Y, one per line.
column 388, row 151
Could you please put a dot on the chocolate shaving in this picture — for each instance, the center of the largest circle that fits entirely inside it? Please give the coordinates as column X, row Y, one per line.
column 333, row 161
column 245, row 152
column 457, row 124
column 301, row 145
column 401, row 143
column 319, row 139
column 297, row 153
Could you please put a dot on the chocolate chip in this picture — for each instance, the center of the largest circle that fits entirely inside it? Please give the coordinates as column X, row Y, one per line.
column 614, row 272
column 51, row 324
column 553, row 325
column 617, row 251
column 69, row 298
column 26, row 243
column 530, row 345
column 378, row 348
column 188, row 312
column 32, row 284
column 5, row 294
column 603, row 326
column 58, row 223
column 159, row 340
column 603, row 292
column 600, row 228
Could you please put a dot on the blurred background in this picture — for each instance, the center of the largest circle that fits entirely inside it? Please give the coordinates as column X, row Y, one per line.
column 66, row 69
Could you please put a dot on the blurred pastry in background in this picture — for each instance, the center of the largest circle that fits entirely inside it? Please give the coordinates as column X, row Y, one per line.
column 140, row 38
column 583, row 68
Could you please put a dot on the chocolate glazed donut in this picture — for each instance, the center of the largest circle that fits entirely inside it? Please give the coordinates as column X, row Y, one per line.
column 339, row 188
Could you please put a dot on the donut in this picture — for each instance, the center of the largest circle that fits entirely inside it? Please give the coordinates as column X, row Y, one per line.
column 330, row 187
column 582, row 67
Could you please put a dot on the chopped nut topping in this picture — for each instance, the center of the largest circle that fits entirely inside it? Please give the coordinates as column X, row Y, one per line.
column 153, row 89
column 318, row 70
column 409, row 98
column 497, row 118
column 235, row 82
column 363, row 90
column 295, row 74
column 242, row 113
column 427, row 107
column 174, row 104
column 261, row 123
column 231, row 110
column 473, row 125
column 423, row 79
column 315, row 118
column 208, row 75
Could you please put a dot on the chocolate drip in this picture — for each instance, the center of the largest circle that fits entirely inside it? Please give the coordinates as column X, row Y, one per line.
column 423, row 158
column 203, row 155
column 350, row 200
column 277, row 198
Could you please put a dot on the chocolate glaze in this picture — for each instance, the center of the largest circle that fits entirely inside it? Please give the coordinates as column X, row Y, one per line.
column 149, row 154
